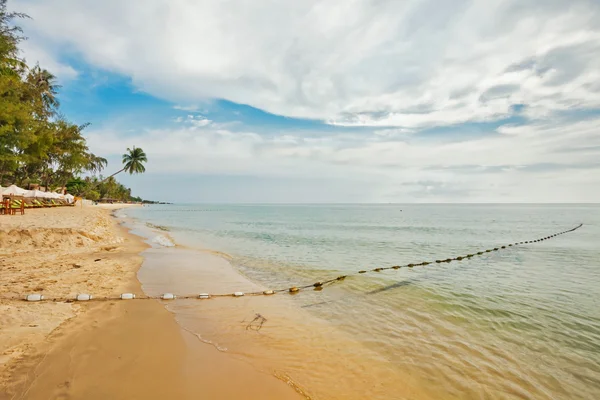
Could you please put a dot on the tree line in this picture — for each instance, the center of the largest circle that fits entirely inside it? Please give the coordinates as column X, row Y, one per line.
column 38, row 144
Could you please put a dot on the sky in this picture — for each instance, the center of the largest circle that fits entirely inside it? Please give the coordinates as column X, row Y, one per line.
column 337, row 101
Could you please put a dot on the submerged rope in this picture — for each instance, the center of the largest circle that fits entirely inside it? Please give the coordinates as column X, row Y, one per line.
column 316, row 285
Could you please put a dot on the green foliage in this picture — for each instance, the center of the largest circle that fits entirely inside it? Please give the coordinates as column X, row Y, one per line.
column 77, row 186
column 134, row 160
column 37, row 144
column 95, row 189
column 93, row 195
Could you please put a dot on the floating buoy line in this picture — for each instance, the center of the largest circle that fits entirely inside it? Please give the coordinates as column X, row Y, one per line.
column 36, row 297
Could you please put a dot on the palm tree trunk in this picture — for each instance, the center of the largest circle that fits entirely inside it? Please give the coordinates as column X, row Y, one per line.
column 105, row 179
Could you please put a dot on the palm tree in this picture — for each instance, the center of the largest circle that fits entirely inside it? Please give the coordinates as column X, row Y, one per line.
column 133, row 162
column 45, row 84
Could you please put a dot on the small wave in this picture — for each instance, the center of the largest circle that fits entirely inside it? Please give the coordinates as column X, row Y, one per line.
column 285, row 378
column 159, row 227
column 217, row 253
column 206, row 341
column 163, row 241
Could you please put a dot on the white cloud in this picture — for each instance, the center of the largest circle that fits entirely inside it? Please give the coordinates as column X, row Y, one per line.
column 397, row 66
column 545, row 162
column 363, row 62
column 34, row 53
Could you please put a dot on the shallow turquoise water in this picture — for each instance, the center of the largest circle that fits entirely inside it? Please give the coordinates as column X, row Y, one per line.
column 521, row 323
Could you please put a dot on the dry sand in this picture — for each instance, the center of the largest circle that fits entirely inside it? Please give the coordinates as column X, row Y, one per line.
column 112, row 349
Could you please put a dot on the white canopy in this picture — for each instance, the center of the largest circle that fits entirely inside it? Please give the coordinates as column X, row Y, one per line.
column 14, row 190
column 36, row 193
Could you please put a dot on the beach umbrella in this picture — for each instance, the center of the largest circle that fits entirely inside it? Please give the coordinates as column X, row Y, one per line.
column 35, row 194
column 14, row 190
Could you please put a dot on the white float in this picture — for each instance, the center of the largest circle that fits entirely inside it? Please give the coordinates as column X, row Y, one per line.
column 128, row 296
column 268, row 292
column 34, row 297
column 204, row 296
column 168, row 296
column 238, row 294
column 84, row 297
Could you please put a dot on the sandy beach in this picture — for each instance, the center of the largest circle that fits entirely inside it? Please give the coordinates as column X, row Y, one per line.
column 101, row 349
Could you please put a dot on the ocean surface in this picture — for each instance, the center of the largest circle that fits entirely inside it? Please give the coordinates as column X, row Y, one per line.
column 519, row 323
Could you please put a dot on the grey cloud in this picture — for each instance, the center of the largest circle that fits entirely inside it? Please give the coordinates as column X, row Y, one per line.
column 526, row 64
column 566, row 63
column 509, row 14
column 593, row 87
column 581, row 149
column 549, row 167
column 462, row 92
column 528, row 168
column 498, row 92
column 436, row 190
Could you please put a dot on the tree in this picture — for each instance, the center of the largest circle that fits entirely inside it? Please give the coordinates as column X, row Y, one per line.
column 133, row 162
column 10, row 36
column 44, row 88
column 76, row 186
column 38, row 145
column 93, row 195
column 15, row 115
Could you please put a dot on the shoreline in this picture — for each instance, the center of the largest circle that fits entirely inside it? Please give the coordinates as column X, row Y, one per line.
column 109, row 349
column 294, row 346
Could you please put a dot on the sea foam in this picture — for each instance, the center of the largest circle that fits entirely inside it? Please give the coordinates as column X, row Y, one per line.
column 163, row 241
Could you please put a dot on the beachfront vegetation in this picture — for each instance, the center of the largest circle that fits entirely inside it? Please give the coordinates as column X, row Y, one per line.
column 93, row 188
column 38, row 144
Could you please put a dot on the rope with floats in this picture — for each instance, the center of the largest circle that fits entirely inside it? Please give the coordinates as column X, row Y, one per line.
column 292, row 290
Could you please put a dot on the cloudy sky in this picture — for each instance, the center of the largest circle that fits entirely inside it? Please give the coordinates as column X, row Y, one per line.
column 334, row 101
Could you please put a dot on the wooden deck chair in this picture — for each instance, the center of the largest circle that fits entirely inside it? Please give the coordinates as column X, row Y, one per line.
column 13, row 205
column 6, row 209
column 17, row 205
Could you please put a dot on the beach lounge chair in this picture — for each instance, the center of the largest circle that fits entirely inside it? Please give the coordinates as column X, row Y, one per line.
column 13, row 205
column 17, row 205
column 30, row 203
column 37, row 204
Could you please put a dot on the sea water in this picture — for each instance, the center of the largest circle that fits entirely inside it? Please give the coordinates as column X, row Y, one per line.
column 523, row 322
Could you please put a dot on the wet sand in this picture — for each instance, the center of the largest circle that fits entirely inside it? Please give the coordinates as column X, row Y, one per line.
column 102, row 349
